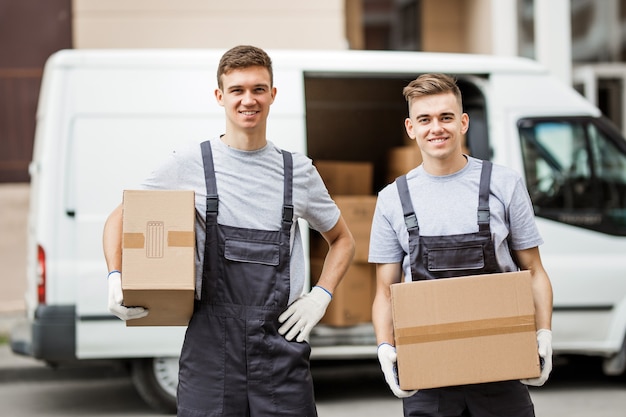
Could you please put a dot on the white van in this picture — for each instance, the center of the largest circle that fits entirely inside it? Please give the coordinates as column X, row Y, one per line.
column 106, row 116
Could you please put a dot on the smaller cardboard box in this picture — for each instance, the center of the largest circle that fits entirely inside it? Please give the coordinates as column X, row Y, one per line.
column 346, row 177
column 466, row 330
column 402, row 159
column 352, row 299
column 358, row 211
column 158, row 255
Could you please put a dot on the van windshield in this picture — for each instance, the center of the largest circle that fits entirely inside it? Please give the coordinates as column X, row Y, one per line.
column 576, row 171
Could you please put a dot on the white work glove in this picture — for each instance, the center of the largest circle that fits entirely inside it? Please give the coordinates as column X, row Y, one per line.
column 388, row 358
column 304, row 313
column 544, row 343
column 116, row 299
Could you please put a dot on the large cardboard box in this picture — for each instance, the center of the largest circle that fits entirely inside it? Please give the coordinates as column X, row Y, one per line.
column 158, row 252
column 358, row 212
column 352, row 299
column 465, row 330
column 346, row 177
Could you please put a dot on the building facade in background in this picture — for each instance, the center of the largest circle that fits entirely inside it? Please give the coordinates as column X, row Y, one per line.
column 31, row 30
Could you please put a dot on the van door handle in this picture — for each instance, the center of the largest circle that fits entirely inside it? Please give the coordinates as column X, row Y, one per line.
column 70, row 213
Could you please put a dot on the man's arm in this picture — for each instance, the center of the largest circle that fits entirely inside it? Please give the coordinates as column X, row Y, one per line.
column 339, row 256
column 386, row 274
column 112, row 246
column 304, row 313
column 112, row 240
column 529, row 259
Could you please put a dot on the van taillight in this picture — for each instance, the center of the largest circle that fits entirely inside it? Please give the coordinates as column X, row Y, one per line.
column 41, row 275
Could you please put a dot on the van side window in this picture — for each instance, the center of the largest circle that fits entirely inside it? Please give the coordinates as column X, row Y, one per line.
column 575, row 172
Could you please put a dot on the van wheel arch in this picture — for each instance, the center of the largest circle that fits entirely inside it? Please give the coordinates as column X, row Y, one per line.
column 156, row 380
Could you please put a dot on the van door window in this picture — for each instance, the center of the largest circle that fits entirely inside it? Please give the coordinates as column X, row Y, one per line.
column 576, row 172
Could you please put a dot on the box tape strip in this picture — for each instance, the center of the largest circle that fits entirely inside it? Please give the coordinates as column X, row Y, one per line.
column 466, row 329
column 133, row 241
column 180, row 239
column 174, row 239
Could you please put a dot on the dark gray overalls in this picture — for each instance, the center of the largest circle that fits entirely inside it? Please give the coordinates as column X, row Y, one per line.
column 233, row 361
column 434, row 257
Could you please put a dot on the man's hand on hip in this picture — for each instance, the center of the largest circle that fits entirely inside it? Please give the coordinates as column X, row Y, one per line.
column 304, row 313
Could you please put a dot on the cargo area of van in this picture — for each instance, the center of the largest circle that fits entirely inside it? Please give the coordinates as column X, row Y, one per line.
column 356, row 137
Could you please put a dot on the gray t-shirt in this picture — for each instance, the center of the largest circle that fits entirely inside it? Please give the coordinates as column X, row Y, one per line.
column 250, row 189
column 447, row 205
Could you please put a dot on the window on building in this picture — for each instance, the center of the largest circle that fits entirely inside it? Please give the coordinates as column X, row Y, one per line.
column 392, row 24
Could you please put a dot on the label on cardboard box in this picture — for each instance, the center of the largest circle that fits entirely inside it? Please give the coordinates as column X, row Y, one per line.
column 465, row 330
column 158, row 255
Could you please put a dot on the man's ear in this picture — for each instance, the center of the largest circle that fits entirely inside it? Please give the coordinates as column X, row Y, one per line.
column 273, row 92
column 219, row 96
column 408, row 125
column 464, row 123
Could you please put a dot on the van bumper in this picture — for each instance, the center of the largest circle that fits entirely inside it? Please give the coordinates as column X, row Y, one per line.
column 50, row 337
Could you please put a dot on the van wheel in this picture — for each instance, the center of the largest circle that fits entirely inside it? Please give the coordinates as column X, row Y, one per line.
column 156, row 380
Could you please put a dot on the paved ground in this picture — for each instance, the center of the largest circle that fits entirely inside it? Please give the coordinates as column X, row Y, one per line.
column 14, row 201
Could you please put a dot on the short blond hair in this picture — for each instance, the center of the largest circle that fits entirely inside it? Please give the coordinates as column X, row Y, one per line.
column 431, row 84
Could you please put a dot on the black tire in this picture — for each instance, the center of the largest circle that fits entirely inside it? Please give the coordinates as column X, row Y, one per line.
column 156, row 380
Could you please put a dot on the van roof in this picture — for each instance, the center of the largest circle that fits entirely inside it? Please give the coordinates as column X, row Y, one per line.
column 305, row 60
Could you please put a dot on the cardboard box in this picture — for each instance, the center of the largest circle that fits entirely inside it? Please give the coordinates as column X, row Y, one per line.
column 466, row 330
column 358, row 212
column 402, row 159
column 349, row 178
column 352, row 299
column 158, row 255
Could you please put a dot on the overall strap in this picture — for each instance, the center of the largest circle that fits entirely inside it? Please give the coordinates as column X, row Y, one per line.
column 211, row 183
column 283, row 269
column 210, row 243
column 288, row 190
column 483, row 197
column 410, row 219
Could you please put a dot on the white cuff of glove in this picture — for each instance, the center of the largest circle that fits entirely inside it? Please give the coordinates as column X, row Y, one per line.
column 544, row 348
column 116, row 300
column 304, row 313
column 387, row 357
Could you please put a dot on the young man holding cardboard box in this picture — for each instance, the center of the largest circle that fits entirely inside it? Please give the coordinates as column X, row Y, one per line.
column 451, row 217
column 246, row 350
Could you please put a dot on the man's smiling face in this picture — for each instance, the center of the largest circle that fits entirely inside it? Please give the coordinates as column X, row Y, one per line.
column 246, row 96
column 437, row 124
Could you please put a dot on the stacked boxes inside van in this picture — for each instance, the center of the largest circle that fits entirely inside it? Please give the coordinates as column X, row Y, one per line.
column 350, row 184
